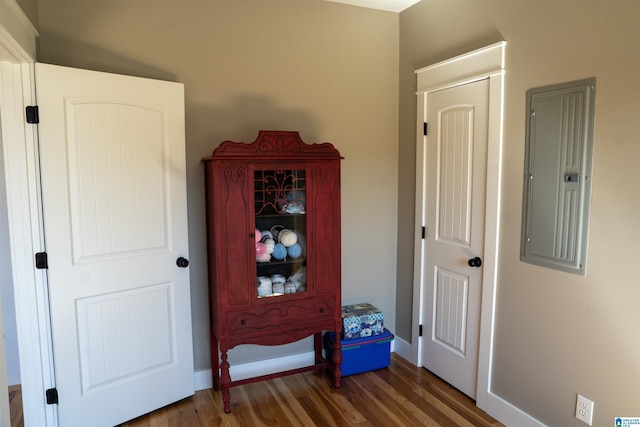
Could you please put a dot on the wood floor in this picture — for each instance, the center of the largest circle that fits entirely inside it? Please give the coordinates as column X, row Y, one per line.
column 15, row 405
column 400, row 395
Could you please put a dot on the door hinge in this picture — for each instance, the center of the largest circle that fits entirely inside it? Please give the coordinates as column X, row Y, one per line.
column 41, row 260
column 424, row 232
column 52, row 396
column 33, row 115
column 420, row 330
column 425, row 129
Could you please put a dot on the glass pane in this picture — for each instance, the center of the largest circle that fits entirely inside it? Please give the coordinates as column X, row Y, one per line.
column 281, row 229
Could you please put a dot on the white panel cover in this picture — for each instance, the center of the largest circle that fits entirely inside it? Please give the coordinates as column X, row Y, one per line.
column 124, row 333
column 454, row 190
column 557, row 185
column 116, row 209
column 450, row 309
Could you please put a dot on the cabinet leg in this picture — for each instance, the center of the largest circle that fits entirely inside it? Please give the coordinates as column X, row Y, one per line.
column 225, row 380
column 337, row 360
column 215, row 363
column 317, row 346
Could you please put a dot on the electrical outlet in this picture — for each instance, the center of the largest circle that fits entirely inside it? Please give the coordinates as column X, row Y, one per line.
column 584, row 409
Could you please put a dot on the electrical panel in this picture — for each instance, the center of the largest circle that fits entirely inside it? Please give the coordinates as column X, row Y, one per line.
column 557, row 175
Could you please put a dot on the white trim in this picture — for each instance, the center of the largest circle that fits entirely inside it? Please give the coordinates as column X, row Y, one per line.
column 269, row 366
column 418, row 247
column 5, row 418
column 491, row 242
column 203, row 379
column 488, row 62
column 480, row 62
column 403, row 348
column 26, row 237
column 388, row 5
column 508, row 414
column 17, row 34
column 17, row 53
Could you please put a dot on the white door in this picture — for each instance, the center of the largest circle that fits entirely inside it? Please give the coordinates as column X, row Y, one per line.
column 112, row 153
column 456, row 157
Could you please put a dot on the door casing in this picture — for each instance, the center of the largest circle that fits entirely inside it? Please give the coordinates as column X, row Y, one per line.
column 17, row 56
column 484, row 63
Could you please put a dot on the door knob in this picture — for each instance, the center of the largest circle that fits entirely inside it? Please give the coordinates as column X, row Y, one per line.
column 475, row 262
column 182, row 262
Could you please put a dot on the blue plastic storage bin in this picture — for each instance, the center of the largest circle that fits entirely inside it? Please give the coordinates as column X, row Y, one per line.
column 361, row 354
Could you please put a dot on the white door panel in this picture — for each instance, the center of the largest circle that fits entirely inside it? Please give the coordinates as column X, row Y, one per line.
column 116, row 179
column 450, row 302
column 456, row 150
column 115, row 219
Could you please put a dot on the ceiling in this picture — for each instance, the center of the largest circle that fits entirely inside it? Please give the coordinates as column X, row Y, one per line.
column 390, row 5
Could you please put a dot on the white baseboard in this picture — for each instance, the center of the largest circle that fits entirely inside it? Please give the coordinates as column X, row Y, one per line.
column 203, row 380
column 404, row 350
column 497, row 407
column 508, row 414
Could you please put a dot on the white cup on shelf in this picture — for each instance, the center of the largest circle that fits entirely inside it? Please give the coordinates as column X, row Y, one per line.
column 265, row 286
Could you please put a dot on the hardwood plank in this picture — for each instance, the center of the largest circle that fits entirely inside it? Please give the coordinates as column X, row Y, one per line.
column 290, row 405
column 400, row 402
column 414, row 388
column 442, row 395
column 377, row 412
column 15, row 406
column 263, row 406
column 315, row 393
column 400, row 395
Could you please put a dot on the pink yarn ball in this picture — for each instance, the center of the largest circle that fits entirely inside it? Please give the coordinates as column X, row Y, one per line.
column 261, row 253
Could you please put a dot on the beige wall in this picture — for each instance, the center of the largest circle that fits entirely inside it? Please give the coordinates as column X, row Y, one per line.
column 324, row 69
column 557, row 334
column 331, row 71
column 30, row 8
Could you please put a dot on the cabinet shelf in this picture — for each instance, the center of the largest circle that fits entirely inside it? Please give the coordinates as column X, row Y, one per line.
column 301, row 261
column 281, row 215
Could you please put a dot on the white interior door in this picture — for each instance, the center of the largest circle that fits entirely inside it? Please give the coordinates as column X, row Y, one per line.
column 112, row 154
column 456, row 158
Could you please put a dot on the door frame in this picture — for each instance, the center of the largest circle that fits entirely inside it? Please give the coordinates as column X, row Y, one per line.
column 485, row 63
column 19, row 142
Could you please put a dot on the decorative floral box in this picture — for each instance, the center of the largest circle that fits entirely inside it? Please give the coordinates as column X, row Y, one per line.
column 361, row 320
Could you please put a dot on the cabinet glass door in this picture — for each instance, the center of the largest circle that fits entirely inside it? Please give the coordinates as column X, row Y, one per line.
column 281, row 229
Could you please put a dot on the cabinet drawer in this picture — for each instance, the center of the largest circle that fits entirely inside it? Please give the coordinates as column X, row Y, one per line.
column 276, row 317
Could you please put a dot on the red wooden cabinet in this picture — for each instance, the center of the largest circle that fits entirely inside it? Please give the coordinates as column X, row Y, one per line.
column 273, row 239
